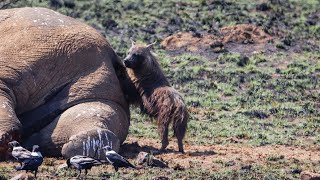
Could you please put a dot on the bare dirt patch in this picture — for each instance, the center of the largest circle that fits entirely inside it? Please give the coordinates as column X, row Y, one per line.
column 189, row 42
column 228, row 38
column 245, row 33
column 207, row 156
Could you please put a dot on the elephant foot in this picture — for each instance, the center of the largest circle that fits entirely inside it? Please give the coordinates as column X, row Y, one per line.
column 90, row 143
column 5, row 138
column 83, row 129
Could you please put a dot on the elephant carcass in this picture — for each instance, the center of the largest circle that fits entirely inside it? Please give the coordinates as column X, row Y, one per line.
column 59, row 85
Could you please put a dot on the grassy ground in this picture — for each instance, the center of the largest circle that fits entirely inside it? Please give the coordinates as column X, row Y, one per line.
column 254, row 115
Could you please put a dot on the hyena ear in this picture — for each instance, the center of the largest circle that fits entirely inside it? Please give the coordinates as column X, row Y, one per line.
column 150, row 46
column 132, row 42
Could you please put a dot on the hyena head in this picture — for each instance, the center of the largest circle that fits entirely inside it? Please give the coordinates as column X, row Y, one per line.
column 140, row 58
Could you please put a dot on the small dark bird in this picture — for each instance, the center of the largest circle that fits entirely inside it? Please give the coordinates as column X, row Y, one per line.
column 19, row 153
column 82, row 162
column 32, row 163
column 116, row 159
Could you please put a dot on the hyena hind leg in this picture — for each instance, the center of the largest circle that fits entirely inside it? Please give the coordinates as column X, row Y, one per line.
column 180, row 131
column 164, row 131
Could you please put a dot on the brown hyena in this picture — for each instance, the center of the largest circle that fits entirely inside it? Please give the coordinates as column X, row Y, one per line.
column 158, row 98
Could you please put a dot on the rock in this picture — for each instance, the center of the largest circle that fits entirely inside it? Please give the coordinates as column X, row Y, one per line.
column 246, row 167
column 147, row 159
column 263, row 7
column 56, row 3
column 243, row 61
column 197, row 34
column 69, row 4
column 142, row 158
column 178, row 167
column 217, row 46
column 256, row 114
column 109, row 23
column 160, row 178
column 158, row 163
column 296, row 171
column 234, row 140
column 307, row 175
column 230, row 163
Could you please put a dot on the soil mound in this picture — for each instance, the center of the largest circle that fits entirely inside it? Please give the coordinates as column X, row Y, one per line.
column 196, row 42
column 189, row 42
column 245, row 33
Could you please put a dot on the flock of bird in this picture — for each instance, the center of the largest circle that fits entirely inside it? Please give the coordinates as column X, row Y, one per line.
column 30, row 161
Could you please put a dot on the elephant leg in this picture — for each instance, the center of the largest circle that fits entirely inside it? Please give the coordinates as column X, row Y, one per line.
column 10, row 126
column 83, row 129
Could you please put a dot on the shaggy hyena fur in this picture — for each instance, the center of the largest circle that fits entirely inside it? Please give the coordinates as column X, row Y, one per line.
column 158, row 98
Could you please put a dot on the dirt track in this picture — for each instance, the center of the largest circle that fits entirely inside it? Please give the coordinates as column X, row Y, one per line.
column 210, row 158
column 236, row 155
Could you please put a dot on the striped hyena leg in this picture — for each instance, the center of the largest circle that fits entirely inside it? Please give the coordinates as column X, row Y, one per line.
column 163, row 128
column 180, row 131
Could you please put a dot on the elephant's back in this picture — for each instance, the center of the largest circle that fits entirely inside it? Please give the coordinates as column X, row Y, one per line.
column 42, row 50
column 35, row 17
column 28, row 33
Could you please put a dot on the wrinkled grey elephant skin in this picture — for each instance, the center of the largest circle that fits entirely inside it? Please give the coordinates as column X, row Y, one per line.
column 59, row 85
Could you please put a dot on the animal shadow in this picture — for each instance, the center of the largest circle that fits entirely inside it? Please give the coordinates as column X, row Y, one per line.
column 202, row 153
column 131, row 150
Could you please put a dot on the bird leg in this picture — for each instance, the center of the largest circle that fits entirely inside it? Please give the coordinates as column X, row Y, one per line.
column 86, row 172
column 35, row 173
column 79, row 173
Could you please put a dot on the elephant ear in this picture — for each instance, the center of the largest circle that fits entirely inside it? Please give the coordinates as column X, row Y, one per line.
column 132, row 42
column 150, row 46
